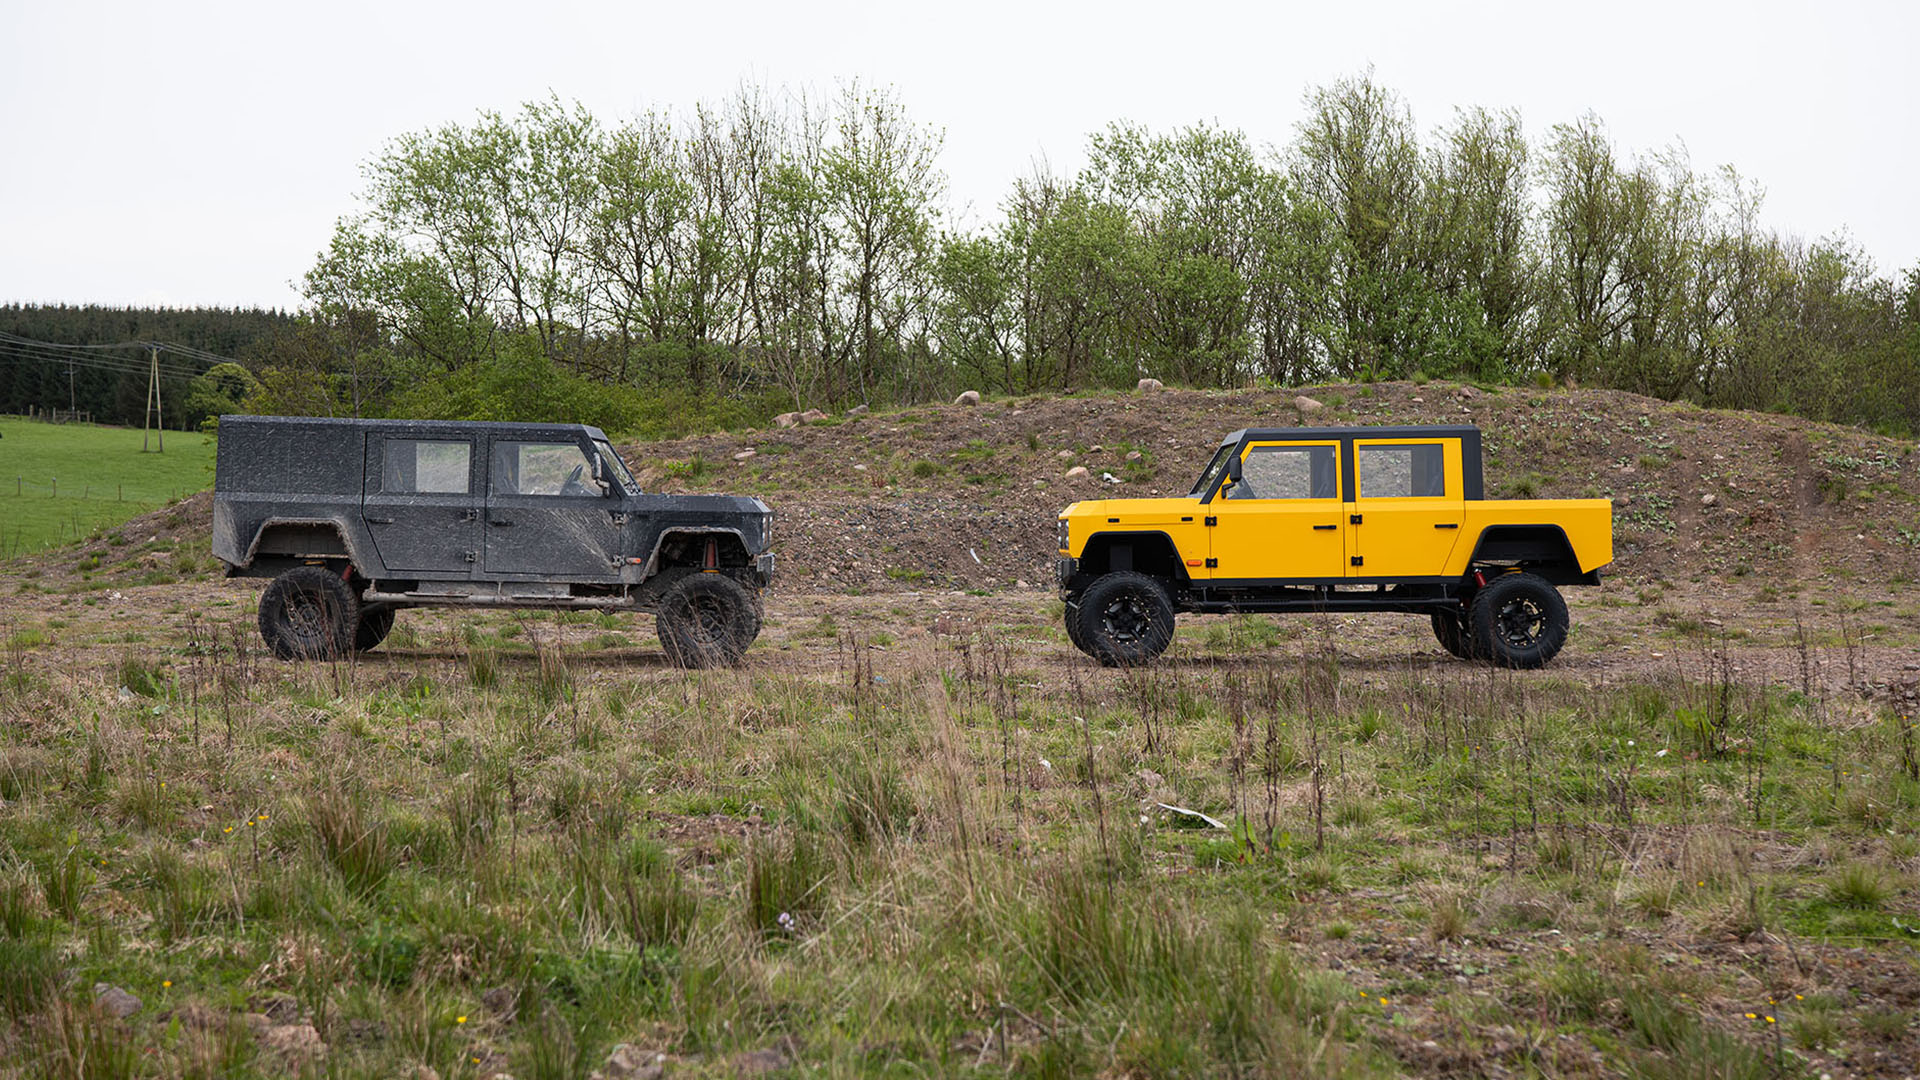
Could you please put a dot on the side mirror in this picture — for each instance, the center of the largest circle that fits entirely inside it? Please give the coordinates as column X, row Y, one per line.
column 1233, row 469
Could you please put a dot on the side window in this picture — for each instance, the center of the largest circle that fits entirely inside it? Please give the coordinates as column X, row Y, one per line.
column 424, row 466
column 1403, row 472
column 529, row 468
column 1289, row 472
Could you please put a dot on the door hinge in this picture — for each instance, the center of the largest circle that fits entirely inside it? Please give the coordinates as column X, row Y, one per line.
column 1353, row 519
column 1211, row 520
column 1359, row 560
column 472, row 515
column 473, row 556
column 1212, row 563
column 618, row 519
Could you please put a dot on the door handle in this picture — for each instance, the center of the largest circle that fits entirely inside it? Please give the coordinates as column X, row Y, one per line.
column 379, row 521
column 1327, row 528
column 500, row 521
column 1446, row 525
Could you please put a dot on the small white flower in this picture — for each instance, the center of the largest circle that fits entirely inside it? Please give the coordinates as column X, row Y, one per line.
column 1143, row 819
column 786, row 921
column 1629, row 742
column 1047, row 765
column 1660, row 753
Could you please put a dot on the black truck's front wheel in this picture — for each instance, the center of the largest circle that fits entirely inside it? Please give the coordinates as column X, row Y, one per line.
column 707, row 620
column 1519, row 621
column 1126, row 619
column 309, row 613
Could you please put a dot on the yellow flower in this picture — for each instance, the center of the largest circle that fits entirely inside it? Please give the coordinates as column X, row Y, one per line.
column 1797, row 997
column 1769, row 1019
column 166, row 982
column 1750, row 1016
column 459, row 1019
column 1383, row 1001
column 229, row 828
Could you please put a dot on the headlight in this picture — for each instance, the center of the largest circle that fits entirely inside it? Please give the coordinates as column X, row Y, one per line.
column 1064, row 530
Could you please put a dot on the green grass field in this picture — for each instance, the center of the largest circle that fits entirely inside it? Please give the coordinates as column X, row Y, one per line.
column 59, row 482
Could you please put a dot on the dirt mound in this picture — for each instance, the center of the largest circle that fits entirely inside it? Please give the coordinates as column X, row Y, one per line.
column 965, row 498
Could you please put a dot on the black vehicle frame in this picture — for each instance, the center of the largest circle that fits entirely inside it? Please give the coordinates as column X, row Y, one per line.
column 416, row 513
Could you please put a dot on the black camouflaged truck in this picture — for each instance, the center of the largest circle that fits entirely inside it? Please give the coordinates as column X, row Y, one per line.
column 355, row 520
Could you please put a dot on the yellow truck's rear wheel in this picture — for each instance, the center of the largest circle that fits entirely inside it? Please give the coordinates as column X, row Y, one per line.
column 1519, row 621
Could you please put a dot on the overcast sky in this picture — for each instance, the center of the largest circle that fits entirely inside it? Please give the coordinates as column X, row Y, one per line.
column 201, row 155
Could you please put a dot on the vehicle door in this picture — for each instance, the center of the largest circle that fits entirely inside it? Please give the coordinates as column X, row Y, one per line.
column 548, row 514
column 421, row 502
column 1283, row 517
column 1407, row 512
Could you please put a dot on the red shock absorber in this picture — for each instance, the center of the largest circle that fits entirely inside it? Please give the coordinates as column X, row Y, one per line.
column 711, row 561
column 1480, row 578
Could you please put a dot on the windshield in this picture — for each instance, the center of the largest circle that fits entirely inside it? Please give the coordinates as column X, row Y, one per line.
column 617, row 469
column 1213, row 470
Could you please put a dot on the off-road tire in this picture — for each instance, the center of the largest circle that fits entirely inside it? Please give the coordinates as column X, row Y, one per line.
column 1126, row 619
column 309, row 613
column 1519, row 621
column 373, row 628
column 1071, row 619
column 1455, row 633
column 707, row 620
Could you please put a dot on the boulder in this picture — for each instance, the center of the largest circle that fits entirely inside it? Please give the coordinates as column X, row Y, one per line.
column 745, row 455
column 968, row 397
column 812, row 416
column 1078, row 472
column 1148, row 386
column 114, row 1001
column 1134, row 455
column 1307, row 405
column 1065, row 455
column 1623, row 500
column 1709, row 499
column 787, row 419
column 857, row 410
column 296, row 1045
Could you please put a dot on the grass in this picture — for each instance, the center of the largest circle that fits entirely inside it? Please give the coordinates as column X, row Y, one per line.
column 61, row 482
column 945, row 857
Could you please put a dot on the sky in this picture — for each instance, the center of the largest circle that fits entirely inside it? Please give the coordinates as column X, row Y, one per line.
column 200, row 153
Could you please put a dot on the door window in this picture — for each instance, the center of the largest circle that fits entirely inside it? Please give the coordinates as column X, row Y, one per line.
column 1413, row 471
column 426, row 466
column 1288, row 472
column 530, row 468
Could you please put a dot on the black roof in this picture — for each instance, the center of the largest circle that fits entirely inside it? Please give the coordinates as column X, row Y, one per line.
column 1355, row 431
column 497, row 427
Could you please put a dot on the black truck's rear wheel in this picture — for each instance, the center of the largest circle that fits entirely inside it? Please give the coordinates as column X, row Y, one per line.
column 309, row 613
column 1126, row 619
column 1519, row 621
column 707, row 620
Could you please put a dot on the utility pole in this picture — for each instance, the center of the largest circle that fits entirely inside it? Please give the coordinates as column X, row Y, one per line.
column 151, row 421
column 72, row 402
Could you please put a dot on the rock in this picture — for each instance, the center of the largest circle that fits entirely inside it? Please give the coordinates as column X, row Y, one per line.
column 1096, row 448
column 1417, row 398
column 502, row 1001
column 1467, row 393
column 857, row 410
column 278, row 1008
column 1065, row 455
column 1148, row 386
column 746, row 455
column 1307, row 405
column 1623, row 500
column 1020, row 583
column 859, row 468
column 812, row 416
column 787, row 419
column 295, row 1044
column 760, row 1062
column 1709, row 499
column 1134, row 455
column 968, row 398
column 114, row 1001
column 425, row 1072
column 1078, row 472
column 632, row 1063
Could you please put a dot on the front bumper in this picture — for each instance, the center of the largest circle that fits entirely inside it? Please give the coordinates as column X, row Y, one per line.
column 1064, row 567
column 763, row 569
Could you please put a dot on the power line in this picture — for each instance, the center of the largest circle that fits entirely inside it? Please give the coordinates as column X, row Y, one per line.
column 92, row 363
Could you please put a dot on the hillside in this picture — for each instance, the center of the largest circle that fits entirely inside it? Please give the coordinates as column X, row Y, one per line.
column 909, row 499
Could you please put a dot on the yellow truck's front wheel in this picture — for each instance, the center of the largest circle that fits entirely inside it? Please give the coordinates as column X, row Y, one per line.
column 1125, row 619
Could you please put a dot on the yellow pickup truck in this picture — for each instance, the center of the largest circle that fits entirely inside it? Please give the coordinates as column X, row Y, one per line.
column 1334, row 519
